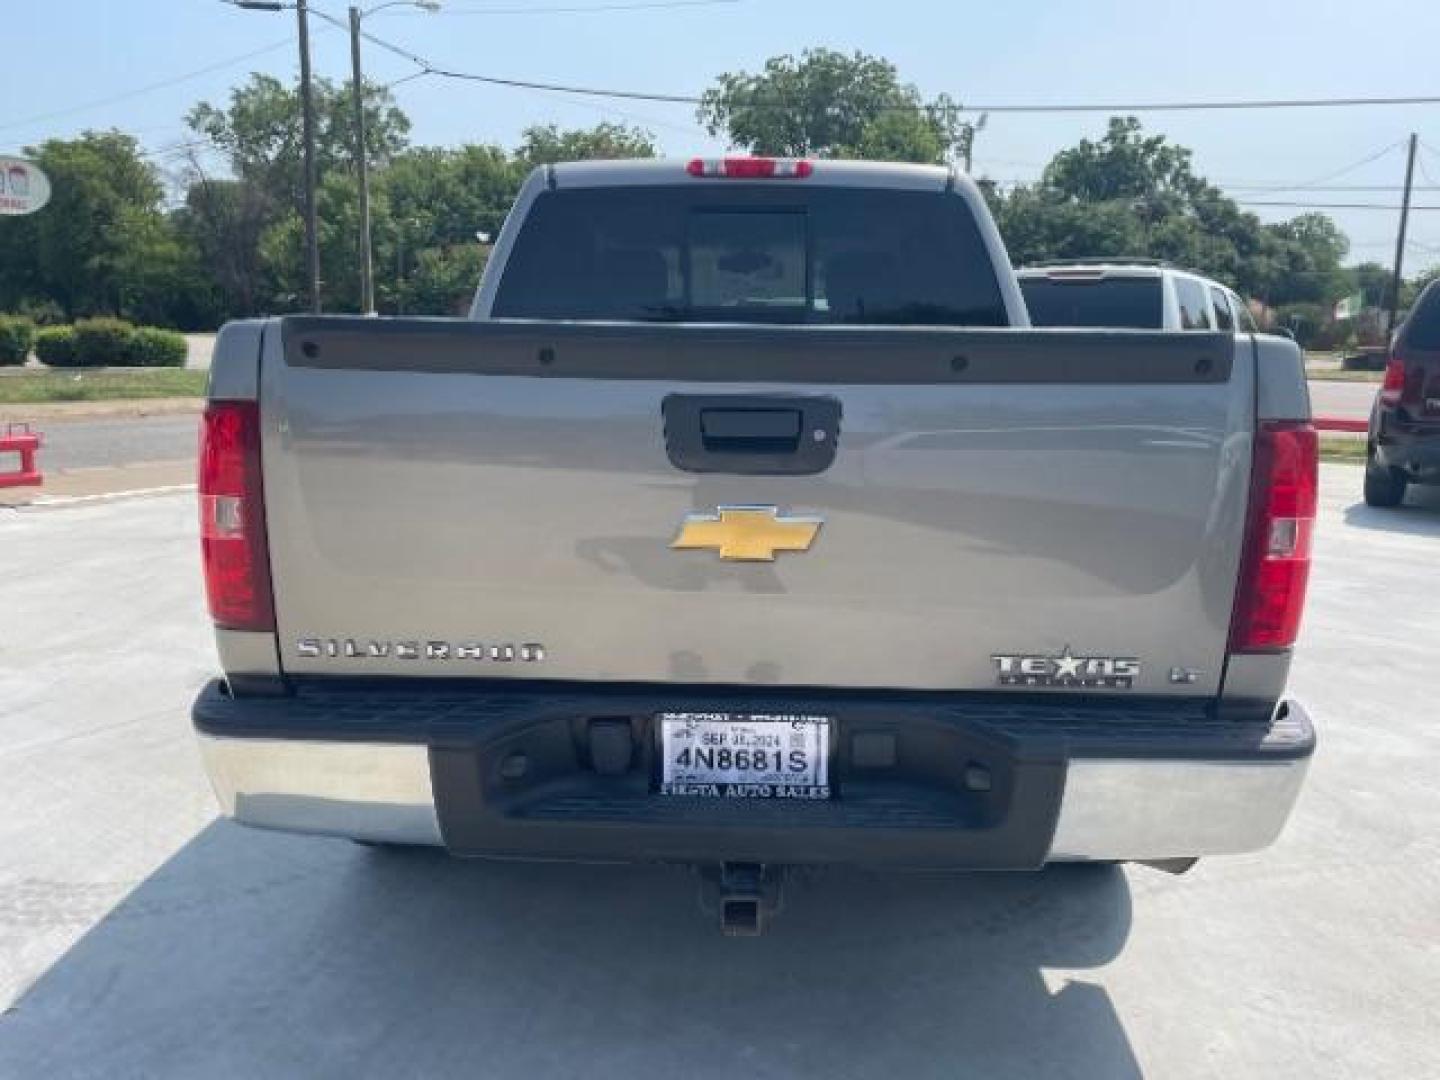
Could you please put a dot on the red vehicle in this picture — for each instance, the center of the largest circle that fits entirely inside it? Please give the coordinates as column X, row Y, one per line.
column 1404, row 439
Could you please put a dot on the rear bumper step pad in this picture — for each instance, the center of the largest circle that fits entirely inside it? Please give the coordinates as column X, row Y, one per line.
column 937, row 780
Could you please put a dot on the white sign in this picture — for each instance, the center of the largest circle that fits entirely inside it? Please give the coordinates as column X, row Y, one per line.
column 23, row 187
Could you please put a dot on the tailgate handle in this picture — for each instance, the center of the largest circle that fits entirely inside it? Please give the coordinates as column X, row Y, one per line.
column 750, row 430
column 757, row 434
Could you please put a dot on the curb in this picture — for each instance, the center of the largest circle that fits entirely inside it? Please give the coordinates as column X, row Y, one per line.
column 62, row 502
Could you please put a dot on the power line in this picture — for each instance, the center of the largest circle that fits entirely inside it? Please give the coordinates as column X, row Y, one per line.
column 695, row 99
column 1319, row 180
column 404, row 79
column 1331, row 206
column 1335, row 187
column 1420, row 161
column 1206, row 106
column 1192, row 106
column 148, row 89
column 649, row 5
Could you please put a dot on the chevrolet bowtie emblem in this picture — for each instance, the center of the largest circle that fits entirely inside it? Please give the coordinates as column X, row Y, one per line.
column 747, row 533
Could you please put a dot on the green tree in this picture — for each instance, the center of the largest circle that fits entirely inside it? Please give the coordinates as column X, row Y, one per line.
column 445, row 196
column 1124, row 164
column 443, row 279
column 1311, row 247
column 244, row 224
column 433, row 206
column 1134, row 194
column 829, row 104
column 103, row 244
column 545, row 144
column 220, row 225
column 1037, row 226
column 1412, row 288
column 1372, row 281
column 260, row 132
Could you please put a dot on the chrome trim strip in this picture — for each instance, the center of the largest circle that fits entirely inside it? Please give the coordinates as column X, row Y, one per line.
column 367, row 791
column 1137, row 809
column 247, row 652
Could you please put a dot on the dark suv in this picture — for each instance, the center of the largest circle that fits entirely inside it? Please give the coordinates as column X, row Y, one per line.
column 1404, row 440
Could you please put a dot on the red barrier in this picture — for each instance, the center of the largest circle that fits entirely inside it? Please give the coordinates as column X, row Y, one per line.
column 1335, row 423
column 19, row 439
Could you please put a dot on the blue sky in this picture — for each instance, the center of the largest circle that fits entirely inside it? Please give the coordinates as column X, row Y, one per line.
column 84, row 60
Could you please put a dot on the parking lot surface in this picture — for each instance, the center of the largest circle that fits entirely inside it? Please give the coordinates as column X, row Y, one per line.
column 141, row 937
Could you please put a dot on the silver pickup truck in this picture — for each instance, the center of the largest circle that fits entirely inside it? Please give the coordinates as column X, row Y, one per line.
column 747, row 524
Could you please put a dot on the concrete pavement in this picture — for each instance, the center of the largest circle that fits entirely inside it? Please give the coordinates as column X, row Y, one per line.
column 140, row 937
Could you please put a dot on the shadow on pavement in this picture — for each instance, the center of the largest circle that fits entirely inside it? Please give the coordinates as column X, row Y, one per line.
column 1418, row 514
column 258, row 955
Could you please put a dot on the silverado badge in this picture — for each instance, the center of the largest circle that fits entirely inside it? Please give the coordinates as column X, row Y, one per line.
column 747, row 533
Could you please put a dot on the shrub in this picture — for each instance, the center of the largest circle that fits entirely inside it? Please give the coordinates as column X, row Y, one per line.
column 16, row 337
column 151, row 347
column 42, row 312
column 55, row 345
column 102, row 342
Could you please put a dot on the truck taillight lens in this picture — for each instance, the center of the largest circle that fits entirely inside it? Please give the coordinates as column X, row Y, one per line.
column 232, row 518
column 750, row 168
column 1275, row 566
column 1394, row 385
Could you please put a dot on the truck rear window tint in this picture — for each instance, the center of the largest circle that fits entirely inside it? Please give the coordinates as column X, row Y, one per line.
column 718, row 253
column 1110, row 301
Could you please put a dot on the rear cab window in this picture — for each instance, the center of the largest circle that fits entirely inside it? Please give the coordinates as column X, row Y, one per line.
column 1191, row 300
column 1220, row 304
column 758, row 253
column 1244, row 321
column 1088, row 301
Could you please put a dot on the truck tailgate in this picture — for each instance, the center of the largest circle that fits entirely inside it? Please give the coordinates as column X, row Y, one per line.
column 454, row 499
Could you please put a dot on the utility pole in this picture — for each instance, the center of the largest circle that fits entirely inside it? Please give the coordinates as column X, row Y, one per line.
column 307, row 114
column 1400, row 241
column 975, row 129
column 307, row 121
column 362, row 158
column 367, row 269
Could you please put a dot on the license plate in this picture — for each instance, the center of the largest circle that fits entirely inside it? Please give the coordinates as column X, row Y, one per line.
column 745, row 755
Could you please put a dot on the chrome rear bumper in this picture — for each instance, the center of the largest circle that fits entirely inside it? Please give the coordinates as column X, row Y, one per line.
column 1124, row 808
column 366, row 791
column 1138, row 809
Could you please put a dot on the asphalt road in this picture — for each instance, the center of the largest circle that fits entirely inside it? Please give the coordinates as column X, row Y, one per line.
column 84, row 444
column 141, row 937
column 1344, row 400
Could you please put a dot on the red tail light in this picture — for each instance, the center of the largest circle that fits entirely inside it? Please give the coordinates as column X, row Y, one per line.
column 232, row 518
column 750, row 168
column 1394, row 385
column 1275, row 567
